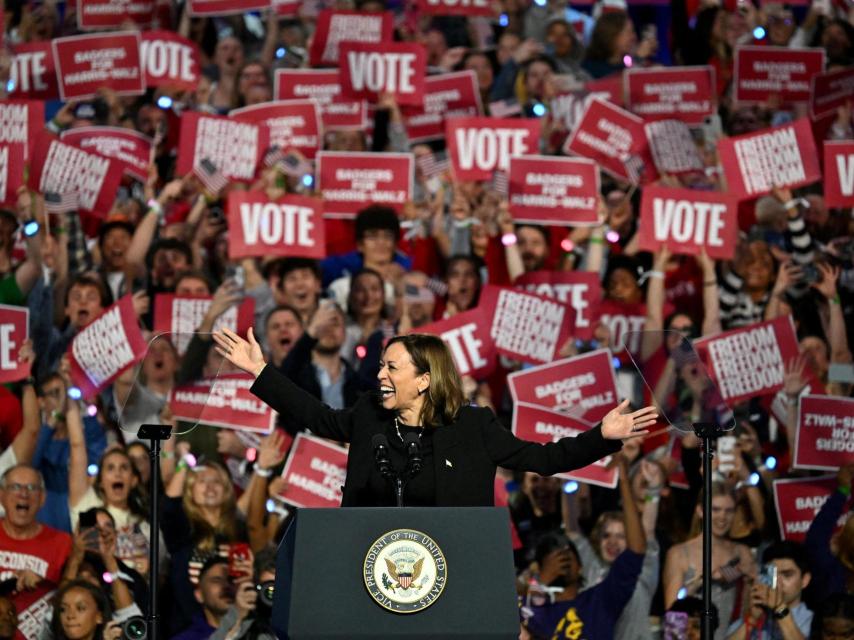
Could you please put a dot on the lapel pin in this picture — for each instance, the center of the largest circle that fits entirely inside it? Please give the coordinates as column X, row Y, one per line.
column 448, row 463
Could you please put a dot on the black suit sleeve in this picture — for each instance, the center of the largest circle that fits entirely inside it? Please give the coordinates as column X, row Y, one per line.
column 293, row 403
column 508, row 451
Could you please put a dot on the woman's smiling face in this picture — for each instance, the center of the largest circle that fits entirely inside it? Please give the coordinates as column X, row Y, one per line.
column 399, row 380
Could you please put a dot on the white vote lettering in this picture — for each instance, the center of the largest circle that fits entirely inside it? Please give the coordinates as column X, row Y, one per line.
column 28, row 70
column 276, row 224
column 167, row 59
column 465, row 347
column 375, row 71
column 696, row 222
column 6, row 346
column 845, row 165
column 488, row 149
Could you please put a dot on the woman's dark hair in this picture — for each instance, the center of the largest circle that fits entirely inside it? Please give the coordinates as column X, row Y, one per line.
column 90, row 279
column 548, row 542
column 377, row 216
column 605, row 32
column 137, row 503
column 101, row 601
column 839, row 605
column 546, row 60
column 365, row 271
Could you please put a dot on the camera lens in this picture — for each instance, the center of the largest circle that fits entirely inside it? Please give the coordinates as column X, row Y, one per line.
column 265, row 592
column 135, row 629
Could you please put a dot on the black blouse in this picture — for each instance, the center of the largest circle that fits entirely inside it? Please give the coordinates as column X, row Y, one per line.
column 419, row 491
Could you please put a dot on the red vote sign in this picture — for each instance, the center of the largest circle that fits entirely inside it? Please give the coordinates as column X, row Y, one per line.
column 783, row 156
column 180, row 317
column 62, row 168
column 525, row 326
column 582, row 387
column 570, row 107
column 314, row 473
column 839, row 173
column 14, row 331
column 830, row 90
column 483, row 8
column 797, row 501
column 538, row 424
column 128, row 148
column 33, row 72
column 289, row 226
column 107, row 346
column 479, row 146
column 680, row 93
column 324, row 87
column 235, row 148
column 554, row 190
column 579, row 290
column 687, row 221
column 169, row 60
column 609, row 136
column 11, row 171
column 467, row 337
column 761, row 72
column 348, row 182
column 448, row 95
column 625, row 322
column 20, row 122
column 750, row 361
column 336, row 27
column 225, row 402
column 825, row 435
column 225, row 7
column 112, row 14
column 293, row 124
column 85, row 64
column 369, row 69
column 672, row 147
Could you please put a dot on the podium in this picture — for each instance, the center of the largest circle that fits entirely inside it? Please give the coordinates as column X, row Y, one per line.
column 322, row 583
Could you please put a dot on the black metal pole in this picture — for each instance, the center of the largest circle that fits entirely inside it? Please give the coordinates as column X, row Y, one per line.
column 153, row 547
column 398, row 489
column 707, row 633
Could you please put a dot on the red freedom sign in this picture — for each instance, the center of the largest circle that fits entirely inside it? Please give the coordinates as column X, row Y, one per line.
column 289, row 226
column 798, row 501
column 235, row 148
column 225, row 7
column 457, row 7
column 224, row 402
column 830, row 90
column 349, row 182
column 609, row 136
column 538, row 424
column 314, row 473
column 525, row 326
column 33, row 72
column 128, row 148
column 449, row 95
column 293, row 124
column 479, row 146
column 687, row 221
column 14, row 331
column 84, row 64
column 169, row 60
column 582, row 387
column 62, row 168
column 336, row 27
column 577, row 289
column 552, row 190
column 467, row 337
column 111, row 343
column 783, row 156
column 839, row 173
column 761, row 72
column 680, row 93
column 323, row 86
column 749, row 361
column 112, row 14
column 20, row 122
column 369, row 69
column 180, row 317
column 825, row 436
column 672, row 147
column 11, row 171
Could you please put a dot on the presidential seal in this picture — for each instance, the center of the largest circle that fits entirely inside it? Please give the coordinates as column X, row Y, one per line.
column 405, row 571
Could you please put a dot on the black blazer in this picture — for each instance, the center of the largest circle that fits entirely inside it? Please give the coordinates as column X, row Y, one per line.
column 465, row 453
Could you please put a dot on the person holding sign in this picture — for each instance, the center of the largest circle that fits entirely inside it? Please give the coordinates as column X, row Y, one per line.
column 420, row 393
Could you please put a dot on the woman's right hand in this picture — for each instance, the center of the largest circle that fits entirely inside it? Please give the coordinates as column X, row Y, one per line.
column 246, row 355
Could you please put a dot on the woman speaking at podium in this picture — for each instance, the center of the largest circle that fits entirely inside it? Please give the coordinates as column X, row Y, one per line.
column 420, row 392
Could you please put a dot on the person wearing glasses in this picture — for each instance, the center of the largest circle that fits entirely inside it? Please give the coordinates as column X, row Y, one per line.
column 32, row 554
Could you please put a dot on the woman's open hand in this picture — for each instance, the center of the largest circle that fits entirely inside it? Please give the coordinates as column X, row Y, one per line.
column 246, row 355
column 617, row 425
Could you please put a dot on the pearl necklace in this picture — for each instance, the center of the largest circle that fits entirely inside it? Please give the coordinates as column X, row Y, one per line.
column 397, row 428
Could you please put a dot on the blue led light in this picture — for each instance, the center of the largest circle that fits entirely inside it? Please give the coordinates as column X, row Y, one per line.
column 10, row 85
column 770, row 463
column 541, row 3
column 92, row 470
column 570, row 487
column 539, row 109
column 616, row 362
column 271, row 505
column 754, row 478
column 503, row 20
column 682, row 593
column 308, row 180
column 31, row 228
column 74, row 393
column 759, row 33
column 280, row 52
column 164, row 102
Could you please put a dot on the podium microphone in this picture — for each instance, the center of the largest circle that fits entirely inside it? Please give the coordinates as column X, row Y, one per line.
column 414, row 461
column 380, row 445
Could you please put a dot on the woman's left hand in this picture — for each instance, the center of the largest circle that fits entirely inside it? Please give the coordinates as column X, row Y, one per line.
column 112, row 630
column 617, row 425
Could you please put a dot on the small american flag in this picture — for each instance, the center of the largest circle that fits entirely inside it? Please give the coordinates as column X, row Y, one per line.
column 273, row 155
column 432, row 165
column 60, row 202
column 505, row 109
column 500, row 183
column 634, row 168
column 211, row 178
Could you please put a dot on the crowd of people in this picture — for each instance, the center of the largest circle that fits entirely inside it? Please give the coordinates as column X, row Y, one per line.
column 592, row 562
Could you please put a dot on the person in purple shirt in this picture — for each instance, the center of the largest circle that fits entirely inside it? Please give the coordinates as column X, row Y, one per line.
column 823, row 562
column 216, row 594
